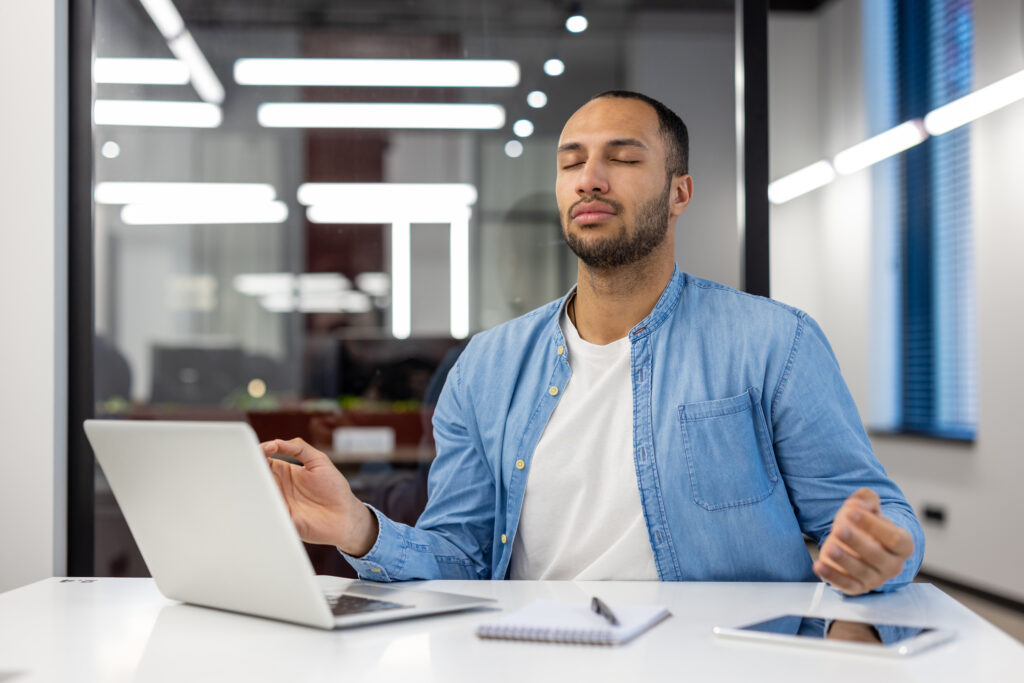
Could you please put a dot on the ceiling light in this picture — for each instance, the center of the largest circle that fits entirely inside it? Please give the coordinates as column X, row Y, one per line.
column 152, row 71
column 118, row 192
column 514, row 149
column 110, row 149
column 375, row 115
column 523, row 128
column 369, row 214
column 261, row 284
column 554, row 67
column 536, row 99
column 401, row 281
column 156, row 113
column 577, row 23
column 801, row 182
column 881, row 146
column 204, row 80
column 335, row 302
column 171, row 26
column 980, row 102
column 264, row 284
column 448, row 73
column 204, row 213
column 374, row 284
column 165, row 15
column 458, row 290
column 389, row 194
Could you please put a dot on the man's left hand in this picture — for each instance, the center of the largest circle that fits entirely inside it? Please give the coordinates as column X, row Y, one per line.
column 864, row 549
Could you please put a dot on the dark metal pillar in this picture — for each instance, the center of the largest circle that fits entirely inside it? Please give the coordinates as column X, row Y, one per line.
column 81, row 465
column 752, row 142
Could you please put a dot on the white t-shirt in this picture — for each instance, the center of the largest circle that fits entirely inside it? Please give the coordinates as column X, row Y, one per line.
column 582, row 517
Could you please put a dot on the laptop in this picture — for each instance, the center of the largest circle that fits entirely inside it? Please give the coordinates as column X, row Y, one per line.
column 214, row 530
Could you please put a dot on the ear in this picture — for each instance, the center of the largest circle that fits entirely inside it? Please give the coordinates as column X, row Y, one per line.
column 679, row 196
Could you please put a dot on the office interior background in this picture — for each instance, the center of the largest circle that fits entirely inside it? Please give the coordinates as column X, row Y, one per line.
column 309, row 305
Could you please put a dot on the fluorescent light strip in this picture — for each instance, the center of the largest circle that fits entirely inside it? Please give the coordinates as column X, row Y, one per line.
column 203, row 79
column 308, row 284
column 148, row 71
column 460, row 194
column 458, row 242
column 358, row 214
column 336, row 302
column 401, row 281
column 441, row 73
column 166, row 17
column 881, row 146
column 376, row 115
column 118, row 192
column 204, row 213
column 801, row 182
column 156, row 113
column 979, row 103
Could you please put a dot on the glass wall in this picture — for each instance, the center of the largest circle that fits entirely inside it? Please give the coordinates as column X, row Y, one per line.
column 303, row 210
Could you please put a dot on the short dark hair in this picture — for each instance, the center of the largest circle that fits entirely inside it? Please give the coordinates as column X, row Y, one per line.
column 672, row 128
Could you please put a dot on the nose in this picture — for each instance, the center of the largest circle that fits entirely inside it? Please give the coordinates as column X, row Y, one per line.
column 592, row 179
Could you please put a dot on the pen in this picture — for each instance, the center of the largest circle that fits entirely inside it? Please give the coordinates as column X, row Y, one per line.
column 598, row 606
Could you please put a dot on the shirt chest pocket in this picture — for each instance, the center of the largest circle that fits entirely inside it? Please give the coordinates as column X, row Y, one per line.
column 728, row 452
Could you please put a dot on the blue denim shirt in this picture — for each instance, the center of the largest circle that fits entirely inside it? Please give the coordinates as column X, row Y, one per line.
column 745, row 437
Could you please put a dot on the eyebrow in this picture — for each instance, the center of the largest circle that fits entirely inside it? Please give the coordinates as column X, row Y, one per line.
column 619, row 142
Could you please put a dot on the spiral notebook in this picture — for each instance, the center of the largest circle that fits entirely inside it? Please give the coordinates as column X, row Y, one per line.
column 564, row 622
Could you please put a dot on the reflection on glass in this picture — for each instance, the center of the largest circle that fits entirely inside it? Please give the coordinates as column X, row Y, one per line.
column 301, row 217
column 837, row 629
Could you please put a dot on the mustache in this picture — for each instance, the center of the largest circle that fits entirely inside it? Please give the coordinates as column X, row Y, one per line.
column 619, row 208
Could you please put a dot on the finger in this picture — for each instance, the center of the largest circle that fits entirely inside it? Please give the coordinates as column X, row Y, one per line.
column 835, row 555
column 865, row 548
column 269, row 448
column 836, row 577
column 868, row 498
column 893, row 538
column 301, row 451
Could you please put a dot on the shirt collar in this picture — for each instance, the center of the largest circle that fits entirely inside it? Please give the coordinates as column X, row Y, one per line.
column 662, row 310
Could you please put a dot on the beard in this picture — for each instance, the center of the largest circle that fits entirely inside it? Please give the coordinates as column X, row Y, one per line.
column 628, row 246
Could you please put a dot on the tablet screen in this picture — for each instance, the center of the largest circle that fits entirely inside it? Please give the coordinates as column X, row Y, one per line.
column 837, row 629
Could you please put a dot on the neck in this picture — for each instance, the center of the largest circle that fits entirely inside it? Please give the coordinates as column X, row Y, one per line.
column 610, row 302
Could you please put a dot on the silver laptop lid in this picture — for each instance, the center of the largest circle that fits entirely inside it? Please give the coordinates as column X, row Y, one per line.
column 208, row 517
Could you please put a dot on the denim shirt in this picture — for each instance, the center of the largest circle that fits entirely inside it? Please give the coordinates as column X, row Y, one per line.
column 745, row 438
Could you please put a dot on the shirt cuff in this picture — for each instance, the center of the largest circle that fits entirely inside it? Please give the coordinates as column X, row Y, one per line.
column 385, row 559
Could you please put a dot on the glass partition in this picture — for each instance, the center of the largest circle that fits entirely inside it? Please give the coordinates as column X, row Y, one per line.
column 304, row 210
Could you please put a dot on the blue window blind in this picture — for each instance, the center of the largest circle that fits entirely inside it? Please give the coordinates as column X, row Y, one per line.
column 927, row 216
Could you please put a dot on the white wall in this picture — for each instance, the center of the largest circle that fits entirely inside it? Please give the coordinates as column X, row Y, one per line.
column 33, row 171
column 822, row 242
column 687, row 60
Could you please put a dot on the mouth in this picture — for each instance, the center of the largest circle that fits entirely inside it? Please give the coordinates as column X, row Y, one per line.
column 592, row 212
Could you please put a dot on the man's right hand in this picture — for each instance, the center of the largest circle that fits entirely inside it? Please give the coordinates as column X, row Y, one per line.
column 319, row 499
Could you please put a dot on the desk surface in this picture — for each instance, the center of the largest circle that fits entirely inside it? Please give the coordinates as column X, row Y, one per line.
column 123, row 629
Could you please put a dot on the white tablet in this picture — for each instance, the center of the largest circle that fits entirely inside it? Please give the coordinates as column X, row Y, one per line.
column 840, row 634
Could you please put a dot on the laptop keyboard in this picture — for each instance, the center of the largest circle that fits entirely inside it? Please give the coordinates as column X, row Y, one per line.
column 344, row 603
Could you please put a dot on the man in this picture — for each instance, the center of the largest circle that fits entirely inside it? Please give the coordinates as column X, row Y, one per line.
column 650, row 425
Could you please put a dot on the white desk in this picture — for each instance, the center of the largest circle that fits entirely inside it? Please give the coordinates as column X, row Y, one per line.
column 123, row 629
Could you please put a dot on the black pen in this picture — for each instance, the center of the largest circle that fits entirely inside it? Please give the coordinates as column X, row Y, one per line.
column 598, row 606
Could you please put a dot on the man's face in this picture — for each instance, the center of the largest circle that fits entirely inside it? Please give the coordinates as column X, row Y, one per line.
column 614, row 194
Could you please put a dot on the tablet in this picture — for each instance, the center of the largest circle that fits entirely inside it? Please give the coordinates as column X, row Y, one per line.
column 861, row 637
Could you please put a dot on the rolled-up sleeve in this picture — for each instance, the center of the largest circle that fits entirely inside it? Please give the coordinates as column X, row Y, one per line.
column 453, row 537
column 822, row 449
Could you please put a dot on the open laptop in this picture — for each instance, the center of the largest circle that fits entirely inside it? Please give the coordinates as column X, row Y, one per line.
column 214, row 530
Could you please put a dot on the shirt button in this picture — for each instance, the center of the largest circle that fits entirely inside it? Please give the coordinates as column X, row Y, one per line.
column 561, row 349
column 553, row 391
column 520, row 464
column 504, row 538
